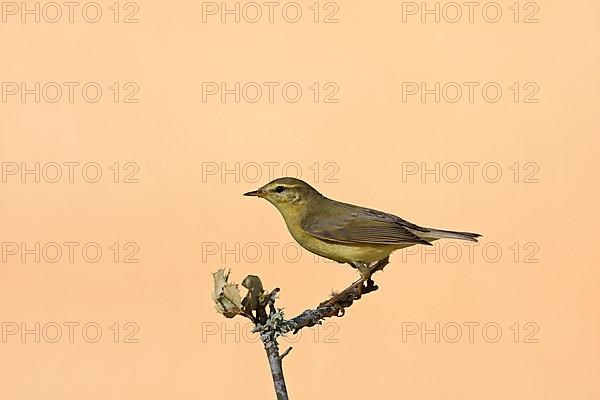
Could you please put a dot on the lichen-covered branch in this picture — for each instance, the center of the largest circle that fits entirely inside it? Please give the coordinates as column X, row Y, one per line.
column 259, row 306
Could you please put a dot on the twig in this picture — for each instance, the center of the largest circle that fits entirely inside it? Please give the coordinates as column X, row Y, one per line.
column 335, row 307
column 285, row 353
column 272, row 349
column 272, row 324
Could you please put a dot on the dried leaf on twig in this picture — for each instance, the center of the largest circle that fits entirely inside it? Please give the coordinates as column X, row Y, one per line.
column 226, row 295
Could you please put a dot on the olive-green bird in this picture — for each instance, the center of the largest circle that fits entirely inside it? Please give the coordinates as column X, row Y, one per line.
column 344, row 232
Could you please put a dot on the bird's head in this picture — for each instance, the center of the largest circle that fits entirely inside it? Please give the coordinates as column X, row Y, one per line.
column 286, row 194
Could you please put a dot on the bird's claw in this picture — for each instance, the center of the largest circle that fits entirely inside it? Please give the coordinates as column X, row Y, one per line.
column 370, row 285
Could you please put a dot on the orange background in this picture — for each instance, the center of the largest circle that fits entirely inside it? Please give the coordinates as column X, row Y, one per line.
column 174, row 211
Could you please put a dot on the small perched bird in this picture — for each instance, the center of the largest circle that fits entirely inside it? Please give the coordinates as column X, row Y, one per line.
column 344, row 232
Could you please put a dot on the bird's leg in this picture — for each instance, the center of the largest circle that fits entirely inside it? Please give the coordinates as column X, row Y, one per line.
column 366, row 271
column 365, row 275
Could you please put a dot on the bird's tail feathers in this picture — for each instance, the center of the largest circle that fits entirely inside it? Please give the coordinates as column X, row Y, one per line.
column 442, row 234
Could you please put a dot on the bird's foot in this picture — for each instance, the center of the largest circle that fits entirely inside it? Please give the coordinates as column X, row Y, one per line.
column 370, row 286
column 365, row 271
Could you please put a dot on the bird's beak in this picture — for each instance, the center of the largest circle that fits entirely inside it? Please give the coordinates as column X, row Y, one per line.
column 257, row 193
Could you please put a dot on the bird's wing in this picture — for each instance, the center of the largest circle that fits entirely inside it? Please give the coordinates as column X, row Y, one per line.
column 357, row 225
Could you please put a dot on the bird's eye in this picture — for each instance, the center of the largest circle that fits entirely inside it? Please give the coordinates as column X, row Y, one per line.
column 279, row 189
